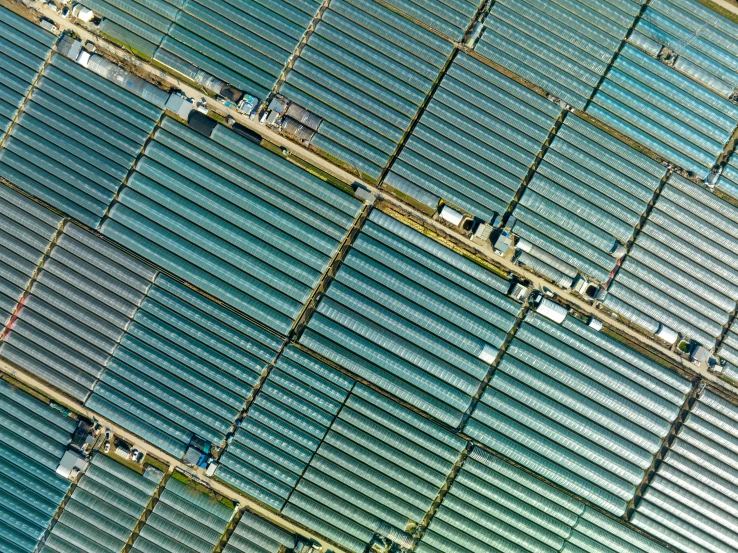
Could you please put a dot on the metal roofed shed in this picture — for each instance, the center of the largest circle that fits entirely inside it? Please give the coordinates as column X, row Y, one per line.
column 413, row 317
column 201, row 123
column 25, row 49
column 578, row 408
column 254, row 534
column 691, row 501
column 78, row 309
column 366, row 71
column 283, row 427
column 563, row 48
column 681, row 272
column 184, row 519
column 71, row 464
column 475, row 142
column 232, row 218
column 76, row 140
column 179, row 105
column 557, row 313
column 103, row 510
column 185, row 367
column 379, row 462
column 586, row 198
column 33, row 439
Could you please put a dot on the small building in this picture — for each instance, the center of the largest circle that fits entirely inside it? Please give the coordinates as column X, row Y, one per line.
column 557, row 313
column 201, row 123
column 122, row 450
column 69, row 47
column 71, row 464
column 179, row 105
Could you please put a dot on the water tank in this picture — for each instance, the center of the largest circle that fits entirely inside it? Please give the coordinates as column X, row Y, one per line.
column 300, row 114
column 297, row 129
column 667, row 334
column 557, row 313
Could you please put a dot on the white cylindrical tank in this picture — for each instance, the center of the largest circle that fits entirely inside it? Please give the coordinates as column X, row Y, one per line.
column 451, row 215
column 557, row 313
column 667, row 334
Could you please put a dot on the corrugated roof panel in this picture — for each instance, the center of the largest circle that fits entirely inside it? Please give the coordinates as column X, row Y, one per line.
column 77, row 311
column 579, row 409
column 413, row 317
column 476, row 140
column 365, row 70
column 23, row 50
column 185, row 367
column 563, row 46
column 33, row 439
column 232, row 218
column 76, row 140
column 104, row 509
column 283, row 427
column 378, row 463
column 184, row 519
column 664, row 110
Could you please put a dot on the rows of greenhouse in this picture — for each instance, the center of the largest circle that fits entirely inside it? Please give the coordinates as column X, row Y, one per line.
column 335, row 368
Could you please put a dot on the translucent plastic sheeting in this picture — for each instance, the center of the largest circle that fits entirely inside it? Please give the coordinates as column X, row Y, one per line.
column 78, row 309
column 365, row 70
column 578, row 409
column 185, row 367
column 699, row 36
column 27, row 230
column 244, row 42
column 232, row 218
column 283, row 427
column 493, row 504
column 76, row 140
column 104, row 509
column 413, row 317
column 254, row 534
column 380, row 462
column 25, row 47
column 681, row 270
column 692, row 502
column 665, row 110
column 476, row 141
column 450, row 17
column 184, row 519
column 33, row 439
column 562, row 46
